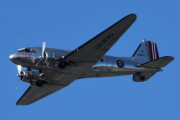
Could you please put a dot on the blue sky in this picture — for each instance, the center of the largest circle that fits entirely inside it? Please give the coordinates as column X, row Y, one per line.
column 67, row 25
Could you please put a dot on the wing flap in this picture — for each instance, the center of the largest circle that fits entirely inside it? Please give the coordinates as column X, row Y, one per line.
column 34, row 93
column 94, row 49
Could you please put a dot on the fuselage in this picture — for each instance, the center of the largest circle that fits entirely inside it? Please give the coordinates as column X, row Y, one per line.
column 30, row 56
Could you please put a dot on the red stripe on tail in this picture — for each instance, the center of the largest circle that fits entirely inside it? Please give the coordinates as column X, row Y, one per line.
column 150, row 50
column 157, row 54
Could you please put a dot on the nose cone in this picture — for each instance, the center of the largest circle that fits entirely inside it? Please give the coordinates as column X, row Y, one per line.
column 11, row 57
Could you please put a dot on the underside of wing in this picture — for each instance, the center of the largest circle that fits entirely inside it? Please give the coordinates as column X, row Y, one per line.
column 94, row 49
column 34, row 93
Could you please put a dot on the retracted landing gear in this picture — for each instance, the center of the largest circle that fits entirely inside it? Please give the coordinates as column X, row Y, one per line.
column 40, row 83
column 62, row 65
column 140, row 76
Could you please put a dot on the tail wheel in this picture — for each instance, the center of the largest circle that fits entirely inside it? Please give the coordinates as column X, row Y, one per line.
column 140, row 76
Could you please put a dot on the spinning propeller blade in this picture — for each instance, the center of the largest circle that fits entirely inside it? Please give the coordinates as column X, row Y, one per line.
column 19, row 68
column 43, row 52
column 43, row 49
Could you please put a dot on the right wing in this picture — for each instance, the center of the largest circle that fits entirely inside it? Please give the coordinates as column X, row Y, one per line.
column 94, row 49
column 34, row 93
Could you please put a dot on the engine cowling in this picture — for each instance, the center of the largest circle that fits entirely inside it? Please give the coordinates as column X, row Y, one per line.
column 50, row 58
column 28, row 76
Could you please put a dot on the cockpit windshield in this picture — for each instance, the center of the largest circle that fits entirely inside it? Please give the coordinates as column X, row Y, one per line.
column 25, row 50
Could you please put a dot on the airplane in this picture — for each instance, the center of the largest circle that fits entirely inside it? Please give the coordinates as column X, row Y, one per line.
column 49, row 70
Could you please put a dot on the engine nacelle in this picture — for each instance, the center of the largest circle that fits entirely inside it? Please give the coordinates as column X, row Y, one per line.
column 28, row 76
column 50, row 58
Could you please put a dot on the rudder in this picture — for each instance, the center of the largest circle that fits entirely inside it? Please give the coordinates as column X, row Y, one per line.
column 153, row 51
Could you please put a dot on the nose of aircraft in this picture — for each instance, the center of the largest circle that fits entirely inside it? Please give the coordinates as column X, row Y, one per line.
column 12, row 57
column 16, row 58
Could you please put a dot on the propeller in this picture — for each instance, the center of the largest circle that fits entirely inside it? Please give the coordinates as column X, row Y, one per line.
column 43, row 49
column 20, row 69
column 43, row 53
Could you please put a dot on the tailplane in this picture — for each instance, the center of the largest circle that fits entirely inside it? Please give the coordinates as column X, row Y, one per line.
column 147, row 51
column 155, row 64
column 158, row 63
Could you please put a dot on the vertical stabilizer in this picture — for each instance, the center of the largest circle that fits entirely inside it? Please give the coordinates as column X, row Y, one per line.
column 147, row 51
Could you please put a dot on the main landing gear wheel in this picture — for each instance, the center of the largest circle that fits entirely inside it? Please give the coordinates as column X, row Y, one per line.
column 62, row 65
column 39, row 83
column 140, row 76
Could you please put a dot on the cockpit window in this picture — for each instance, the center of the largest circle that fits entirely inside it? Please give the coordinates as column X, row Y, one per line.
column 21, row 50
column 25, row 50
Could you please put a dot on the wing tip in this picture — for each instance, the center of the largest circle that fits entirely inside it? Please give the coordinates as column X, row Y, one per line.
column 134, row 15
column 20, row 104
column 131, row 16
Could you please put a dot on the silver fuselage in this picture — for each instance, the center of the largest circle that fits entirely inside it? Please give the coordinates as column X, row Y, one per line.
column 105, row 67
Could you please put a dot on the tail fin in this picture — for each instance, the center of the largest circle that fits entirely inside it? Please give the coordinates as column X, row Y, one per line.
column 147, row 51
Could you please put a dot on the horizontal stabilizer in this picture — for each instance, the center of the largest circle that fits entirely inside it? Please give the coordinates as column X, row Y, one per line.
column 155, row 64
column 158, row 63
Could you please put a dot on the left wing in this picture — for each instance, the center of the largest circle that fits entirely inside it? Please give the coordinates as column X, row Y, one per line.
column 34, row 93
